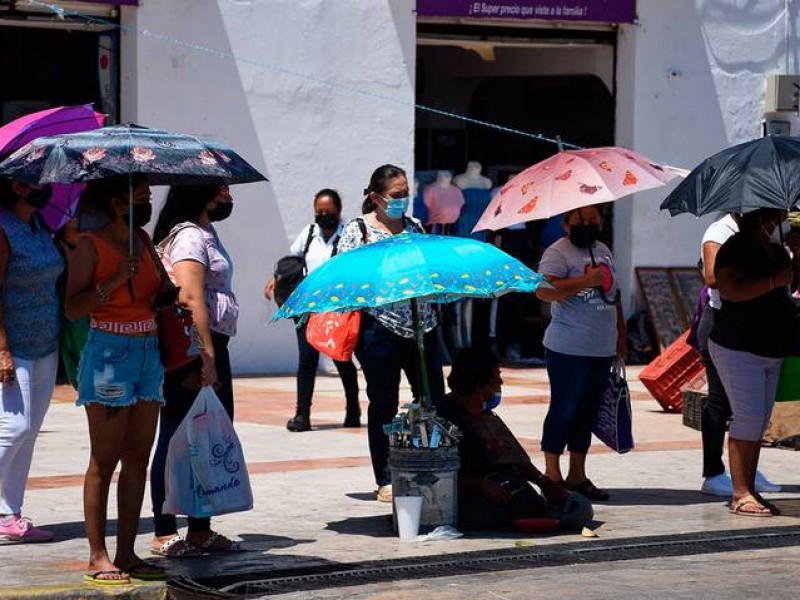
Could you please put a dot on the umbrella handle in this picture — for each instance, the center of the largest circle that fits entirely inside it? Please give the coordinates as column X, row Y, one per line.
column 600, row 291
column 426, row 403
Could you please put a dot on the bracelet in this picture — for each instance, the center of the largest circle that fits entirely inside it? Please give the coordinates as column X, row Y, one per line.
column 103, row 295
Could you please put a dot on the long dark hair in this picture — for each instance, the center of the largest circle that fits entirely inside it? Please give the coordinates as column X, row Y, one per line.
column 750, row 222
column 97, row 195
column 7, row 196
column 378, row 184
column 184, row 203
column 472, row 368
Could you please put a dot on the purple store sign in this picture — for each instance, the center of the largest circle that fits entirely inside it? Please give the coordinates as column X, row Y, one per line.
column 609, row 11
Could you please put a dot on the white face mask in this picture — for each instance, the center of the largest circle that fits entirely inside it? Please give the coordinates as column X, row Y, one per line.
column 779, row 233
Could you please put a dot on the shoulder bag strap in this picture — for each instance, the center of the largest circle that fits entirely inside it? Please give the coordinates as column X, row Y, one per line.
column 308, row 240
column 154, row 255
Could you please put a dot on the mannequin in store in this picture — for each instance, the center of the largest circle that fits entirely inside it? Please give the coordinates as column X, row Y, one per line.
column 420, row 211
column 477, row 195
column 443, row 200
column 472, row 178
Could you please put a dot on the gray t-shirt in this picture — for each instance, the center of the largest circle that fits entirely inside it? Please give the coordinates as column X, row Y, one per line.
column 582, row 325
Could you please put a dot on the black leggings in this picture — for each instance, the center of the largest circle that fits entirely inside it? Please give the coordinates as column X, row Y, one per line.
column 179, row 399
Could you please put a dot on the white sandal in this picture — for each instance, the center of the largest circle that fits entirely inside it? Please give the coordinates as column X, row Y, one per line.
column 186, row 550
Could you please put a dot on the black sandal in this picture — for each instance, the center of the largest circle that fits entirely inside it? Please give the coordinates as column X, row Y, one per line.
column 589, row 490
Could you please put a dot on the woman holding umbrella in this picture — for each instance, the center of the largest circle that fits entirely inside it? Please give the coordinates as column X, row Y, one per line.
column 586, row 332
column 29, row 268
column 120, row 376
column 753, row 332
column 386, row 343
column 203, row 270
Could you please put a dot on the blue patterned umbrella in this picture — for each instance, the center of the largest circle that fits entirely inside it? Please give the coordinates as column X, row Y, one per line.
column 410, row 267
column 433, row 268
column 166, row 158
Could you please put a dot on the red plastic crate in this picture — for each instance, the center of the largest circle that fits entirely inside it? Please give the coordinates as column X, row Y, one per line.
column 670, row 371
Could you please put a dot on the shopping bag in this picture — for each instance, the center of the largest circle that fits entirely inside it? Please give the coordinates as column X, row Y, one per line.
column 334, row 334
column 206, row 473
column 789, row 382
column 614, row 421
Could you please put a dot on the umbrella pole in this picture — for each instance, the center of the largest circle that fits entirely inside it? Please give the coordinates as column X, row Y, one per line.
column 427, row 404
column 130, row 229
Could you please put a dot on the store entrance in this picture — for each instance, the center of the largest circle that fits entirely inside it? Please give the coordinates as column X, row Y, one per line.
column 43, row 68
column 554, row 87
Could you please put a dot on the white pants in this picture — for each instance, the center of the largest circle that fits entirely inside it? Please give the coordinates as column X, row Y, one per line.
column 23, row 405
column 750, row 381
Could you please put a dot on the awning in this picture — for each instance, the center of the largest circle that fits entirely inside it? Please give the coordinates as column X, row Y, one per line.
column 608, row 11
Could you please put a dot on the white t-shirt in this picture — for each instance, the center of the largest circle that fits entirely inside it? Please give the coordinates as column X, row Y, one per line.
column 319, row 250
column 718, row 232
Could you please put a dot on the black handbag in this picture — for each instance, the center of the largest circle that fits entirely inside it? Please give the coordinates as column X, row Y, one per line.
column 290, row 271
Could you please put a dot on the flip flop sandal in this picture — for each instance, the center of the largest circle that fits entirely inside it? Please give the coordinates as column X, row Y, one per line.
column 97, row 578
column 176, row 547
column 737, row 508
column 146, row 572
column 208, row 545
column 776, row 512
column 589, row 490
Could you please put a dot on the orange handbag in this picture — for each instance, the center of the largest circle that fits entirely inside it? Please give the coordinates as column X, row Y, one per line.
column 334, row 334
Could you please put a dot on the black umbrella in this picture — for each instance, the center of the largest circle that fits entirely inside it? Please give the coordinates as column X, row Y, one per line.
column 762, row 173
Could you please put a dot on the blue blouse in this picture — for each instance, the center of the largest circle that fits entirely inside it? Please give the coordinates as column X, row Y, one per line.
column 28, row 296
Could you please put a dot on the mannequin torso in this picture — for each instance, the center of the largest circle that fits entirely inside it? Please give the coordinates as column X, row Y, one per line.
column 472, row 178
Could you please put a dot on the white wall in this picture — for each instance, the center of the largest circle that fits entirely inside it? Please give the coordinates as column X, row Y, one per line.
column 719, row 53
column 302, row 134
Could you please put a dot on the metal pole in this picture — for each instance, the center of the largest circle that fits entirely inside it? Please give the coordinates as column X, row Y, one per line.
column 427, row 403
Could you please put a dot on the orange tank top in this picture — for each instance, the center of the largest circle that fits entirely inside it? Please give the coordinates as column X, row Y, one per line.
column 121, row 308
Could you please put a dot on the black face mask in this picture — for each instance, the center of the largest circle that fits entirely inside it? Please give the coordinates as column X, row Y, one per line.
column 583, row 236
column 221, row 212
column 141, row 214
column 38, row 199
column 327, row 221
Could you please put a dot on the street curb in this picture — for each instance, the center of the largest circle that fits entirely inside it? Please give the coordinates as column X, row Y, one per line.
column 86, row 592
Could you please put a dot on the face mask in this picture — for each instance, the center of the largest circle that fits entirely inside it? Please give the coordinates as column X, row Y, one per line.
column 494, row 402
column 141, row 214
column 222, row 211
column 779, row 233
column 396, row 207
column 38, row 198
column 583, row 236
column 327, row 221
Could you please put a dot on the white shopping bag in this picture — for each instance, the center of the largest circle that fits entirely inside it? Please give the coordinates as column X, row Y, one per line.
column 206, row 473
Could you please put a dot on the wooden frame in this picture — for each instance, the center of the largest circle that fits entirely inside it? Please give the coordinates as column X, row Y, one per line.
column 670, row 297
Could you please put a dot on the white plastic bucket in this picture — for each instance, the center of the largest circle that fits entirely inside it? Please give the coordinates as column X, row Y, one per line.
column 409, row 510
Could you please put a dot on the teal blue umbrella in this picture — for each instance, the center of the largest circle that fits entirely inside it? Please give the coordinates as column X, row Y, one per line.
column 410, row 267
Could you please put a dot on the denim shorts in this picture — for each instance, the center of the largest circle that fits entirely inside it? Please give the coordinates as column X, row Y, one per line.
column 119, row 370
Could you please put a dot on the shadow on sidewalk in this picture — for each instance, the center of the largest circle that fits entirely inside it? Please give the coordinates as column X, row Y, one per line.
column 75, row 530
column 657, row 497
column 375, row 526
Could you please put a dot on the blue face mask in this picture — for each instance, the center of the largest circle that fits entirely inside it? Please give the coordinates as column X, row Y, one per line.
column 497, row 397
column 396, row 207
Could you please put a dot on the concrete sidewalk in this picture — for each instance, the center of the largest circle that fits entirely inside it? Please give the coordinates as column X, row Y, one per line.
column 314, row 491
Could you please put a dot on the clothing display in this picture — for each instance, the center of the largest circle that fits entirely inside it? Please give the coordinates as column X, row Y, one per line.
column 443, row 201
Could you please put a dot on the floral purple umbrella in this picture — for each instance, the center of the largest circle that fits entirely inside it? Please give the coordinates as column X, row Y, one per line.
column 53, row 121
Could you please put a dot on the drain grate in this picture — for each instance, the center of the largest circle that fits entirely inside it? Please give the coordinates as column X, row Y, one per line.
column 329, row 576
